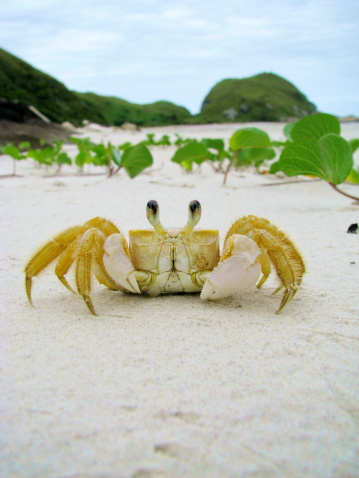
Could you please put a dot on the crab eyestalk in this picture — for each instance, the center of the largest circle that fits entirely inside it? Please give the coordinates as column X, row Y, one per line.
column 153, row 216
column 194, row 215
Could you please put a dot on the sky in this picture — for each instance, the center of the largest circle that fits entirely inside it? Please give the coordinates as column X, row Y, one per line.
column 149, row 50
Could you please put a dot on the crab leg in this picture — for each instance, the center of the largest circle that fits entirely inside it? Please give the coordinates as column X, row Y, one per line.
column 265, row 263
column 276, row 248
column 65, row 261
column 82, row 246
column 289, row 272
column 87, row 252
column 84, row 267
column 47, row 254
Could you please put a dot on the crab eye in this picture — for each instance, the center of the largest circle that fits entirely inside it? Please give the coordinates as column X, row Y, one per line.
column 153, row 216
column 194, row 205
column 194, row 215
column 153, row 205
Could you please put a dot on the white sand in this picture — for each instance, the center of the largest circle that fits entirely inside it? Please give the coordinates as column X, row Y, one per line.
column 173, row 386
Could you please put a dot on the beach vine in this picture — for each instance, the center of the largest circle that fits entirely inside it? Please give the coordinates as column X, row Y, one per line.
column 316, row 148
column 313, row 147
column 247, row 146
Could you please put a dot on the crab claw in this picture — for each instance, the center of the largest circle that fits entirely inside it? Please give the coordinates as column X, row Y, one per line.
column 117, row 263
column 234, row 274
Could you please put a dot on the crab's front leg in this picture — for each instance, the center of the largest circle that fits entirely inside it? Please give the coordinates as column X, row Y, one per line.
column 255, row 243
column 238, row 269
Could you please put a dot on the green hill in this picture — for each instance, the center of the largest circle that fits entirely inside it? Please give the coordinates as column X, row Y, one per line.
column 263, row 97
column 24, row 83
column 117, row 111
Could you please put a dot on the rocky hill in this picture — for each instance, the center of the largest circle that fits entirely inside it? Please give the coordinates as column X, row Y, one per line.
column 263, row 97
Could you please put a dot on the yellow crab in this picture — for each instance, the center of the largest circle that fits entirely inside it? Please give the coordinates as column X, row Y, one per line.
column 172, row 260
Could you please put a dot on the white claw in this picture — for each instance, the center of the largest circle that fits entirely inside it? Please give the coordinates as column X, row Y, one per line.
column 235, row 274
column 118, row 265
column 132, row 281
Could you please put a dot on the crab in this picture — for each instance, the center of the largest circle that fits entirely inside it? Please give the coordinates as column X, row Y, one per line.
column 173, row 260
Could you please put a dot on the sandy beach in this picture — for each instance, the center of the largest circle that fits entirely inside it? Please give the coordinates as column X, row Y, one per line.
column 173, row 386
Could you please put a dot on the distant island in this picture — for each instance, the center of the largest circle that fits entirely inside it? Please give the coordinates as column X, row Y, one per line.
column 263, row 97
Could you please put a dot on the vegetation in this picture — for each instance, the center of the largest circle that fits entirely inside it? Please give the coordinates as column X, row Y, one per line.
column 315, row 148
column 16, row 153
column 24, row 83
column 117, row 111
column 247, row 146
column 21, row 82
column 263, row 97
column 132, row 158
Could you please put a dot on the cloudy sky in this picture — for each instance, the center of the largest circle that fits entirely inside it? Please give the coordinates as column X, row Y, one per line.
column 147, row 50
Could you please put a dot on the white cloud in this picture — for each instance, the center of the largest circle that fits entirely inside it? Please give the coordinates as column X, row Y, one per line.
column 178, row 13
column 179, row 49
column 73, row 40
column 201, row 53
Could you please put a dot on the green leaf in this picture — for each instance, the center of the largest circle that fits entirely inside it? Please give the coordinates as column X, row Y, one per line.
column 85, row 142
column 42, row 156
column 249, row 138
column 99, row 149
column 124, row 146
column 315, row 126
column 83, row 157
column 338, row 157
column 193, row 152
column 58, row 145
column 85, row 147
column 165, row 140
column 24, row 145
column 275, row 167
column 150, row 139
column 354, row 144
column 254, row 156
column 135, row 159
column 100, row 160
column 330, row 158
column 35, row 154
column 101, row 157
column 280, row 144
column 63, row 158
column 116, row 156
column 353, row 177
column 213, row 143
column 288, row 128
column 182, row 141
column 12, row 151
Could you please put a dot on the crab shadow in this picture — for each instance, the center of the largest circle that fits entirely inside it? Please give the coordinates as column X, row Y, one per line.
column 115, row 304
column 253, row 302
